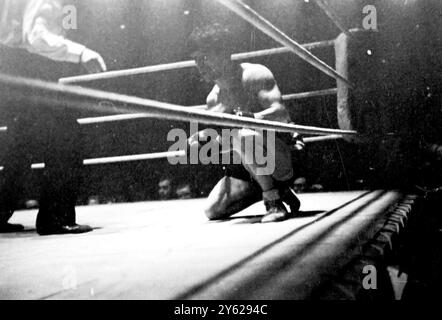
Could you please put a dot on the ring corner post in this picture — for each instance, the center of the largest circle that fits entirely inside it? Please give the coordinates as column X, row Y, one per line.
column 358, row 59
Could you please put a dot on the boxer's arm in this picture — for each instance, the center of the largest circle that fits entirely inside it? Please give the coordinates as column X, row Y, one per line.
column 214, row 104
column 269, row 97
column 211, row 100
column 270, row 101
column 261, row 83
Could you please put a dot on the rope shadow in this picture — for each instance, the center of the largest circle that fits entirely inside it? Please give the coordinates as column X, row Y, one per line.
column 236, row 266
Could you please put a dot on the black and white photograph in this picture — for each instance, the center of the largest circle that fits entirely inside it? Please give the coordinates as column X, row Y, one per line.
column 221, row 155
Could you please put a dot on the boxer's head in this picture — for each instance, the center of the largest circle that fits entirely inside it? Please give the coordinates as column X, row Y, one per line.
column 211, row 50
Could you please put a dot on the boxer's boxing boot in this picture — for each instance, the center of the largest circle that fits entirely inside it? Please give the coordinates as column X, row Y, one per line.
column 288, row 196
column 275, row 209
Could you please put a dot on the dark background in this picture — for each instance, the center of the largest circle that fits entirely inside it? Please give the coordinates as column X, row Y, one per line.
column 132, row 34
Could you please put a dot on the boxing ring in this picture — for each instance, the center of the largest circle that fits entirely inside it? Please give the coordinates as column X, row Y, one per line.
column 168, row 250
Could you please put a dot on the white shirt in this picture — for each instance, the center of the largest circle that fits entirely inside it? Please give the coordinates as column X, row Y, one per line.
column 36, row 25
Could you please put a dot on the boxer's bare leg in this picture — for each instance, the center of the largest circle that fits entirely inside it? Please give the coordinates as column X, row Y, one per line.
column 282, row 166
column 275, row 173
column 230, row 196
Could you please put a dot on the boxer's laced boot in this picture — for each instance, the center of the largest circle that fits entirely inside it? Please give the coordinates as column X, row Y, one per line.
column 275, row 209
column 290, row 198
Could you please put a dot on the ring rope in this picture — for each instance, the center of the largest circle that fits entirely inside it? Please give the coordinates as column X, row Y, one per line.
column 310, row 94
column 251, row 16
column 121, row 159
column 332, row 15
column 114, row 118
column 185, row 64
column 125, row 117
column 85, row 99
column 162, row 155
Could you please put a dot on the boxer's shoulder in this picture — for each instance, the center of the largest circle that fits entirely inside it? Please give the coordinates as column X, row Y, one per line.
column 257, row 75
column 256, row 70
